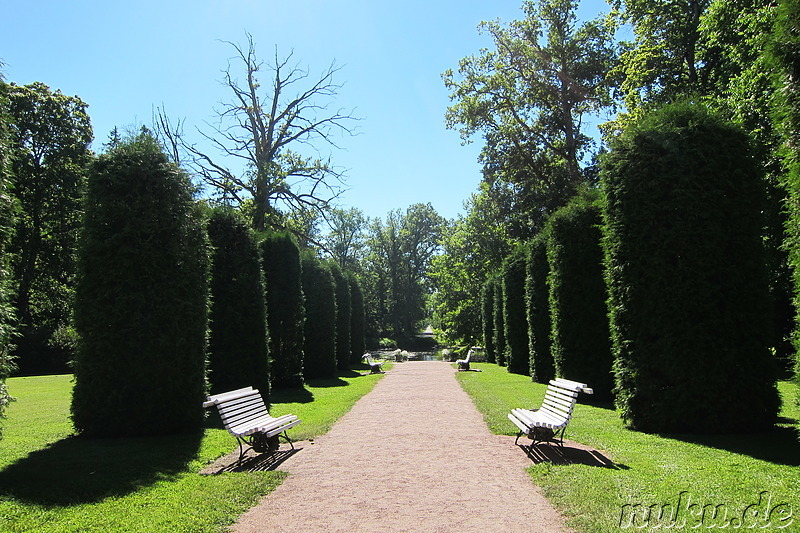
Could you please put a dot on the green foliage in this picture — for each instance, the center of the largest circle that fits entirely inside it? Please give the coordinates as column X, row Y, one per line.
column 397, row 277
column 8, row 211
column 720, row 474
column 280, row 259
column 528, row 96
column 580, row 332
column 487, row 320
column 514, row 316
column 238, row 351
column 357, row 317
column 141, row 298
column 49, row 142
column 344, row 311
column 685, row 262
column 786, row 53
column 537, row 305
column 319, row 289
column 499, row 334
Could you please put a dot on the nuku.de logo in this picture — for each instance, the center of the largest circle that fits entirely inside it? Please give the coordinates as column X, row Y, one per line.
column 685, row 513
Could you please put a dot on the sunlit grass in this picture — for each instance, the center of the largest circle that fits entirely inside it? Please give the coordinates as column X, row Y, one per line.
column 731, row 471
column 52, row 481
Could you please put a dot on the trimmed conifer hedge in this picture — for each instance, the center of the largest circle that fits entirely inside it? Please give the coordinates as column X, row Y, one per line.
column 238, row 351
column 7, row 215
column 537, row 306
column 786, row 52
column 280, row 259
column 499, row 322
column 514, row 315
column 581, row 345
column 688, row 287
column 487, row 320
column 357, row 320
column 141, row 298
column 319, row 289
column 343, row 314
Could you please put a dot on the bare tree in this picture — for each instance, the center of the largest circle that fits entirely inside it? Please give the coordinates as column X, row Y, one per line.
column 258, row 132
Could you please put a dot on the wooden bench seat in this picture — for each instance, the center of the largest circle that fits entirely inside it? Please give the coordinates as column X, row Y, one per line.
column 246, row 417
column 548, row 423
column 374, row 366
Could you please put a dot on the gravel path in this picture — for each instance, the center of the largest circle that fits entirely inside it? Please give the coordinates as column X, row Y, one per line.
column 412, row 455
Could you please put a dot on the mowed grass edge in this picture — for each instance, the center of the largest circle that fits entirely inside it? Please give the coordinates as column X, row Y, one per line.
column 675, row 482
column 52, row 481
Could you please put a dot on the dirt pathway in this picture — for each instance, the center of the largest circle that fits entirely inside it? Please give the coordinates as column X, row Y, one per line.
column 412, row 455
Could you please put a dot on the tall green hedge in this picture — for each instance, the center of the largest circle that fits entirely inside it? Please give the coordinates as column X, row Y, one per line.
column 280, row 259
column 514, row 315
column 499, row 336
column 238, row 351
column 319, row 289
column 786, row 52
column 7, row 212
column 537, row 306
column 487, row 320
column 357, row 320
column 141, row 298
column 688, row 288
column 343, row 314
column 580, row 333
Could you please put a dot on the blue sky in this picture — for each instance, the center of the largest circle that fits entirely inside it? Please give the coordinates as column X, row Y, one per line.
column 124, row 58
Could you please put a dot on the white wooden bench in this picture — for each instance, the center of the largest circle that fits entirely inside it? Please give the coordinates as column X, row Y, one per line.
column 463, row 364
column 246, row 417
column 547, row 424
column 374, row 366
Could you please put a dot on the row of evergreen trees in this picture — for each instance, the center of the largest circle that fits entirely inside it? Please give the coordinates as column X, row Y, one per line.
column 171, row 304
column 652, row 288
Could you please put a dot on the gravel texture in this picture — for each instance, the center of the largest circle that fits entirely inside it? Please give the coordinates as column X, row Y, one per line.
column 412, row 455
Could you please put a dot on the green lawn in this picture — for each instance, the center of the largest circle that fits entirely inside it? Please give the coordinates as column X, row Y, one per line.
column 52, row 481
column 755, row 477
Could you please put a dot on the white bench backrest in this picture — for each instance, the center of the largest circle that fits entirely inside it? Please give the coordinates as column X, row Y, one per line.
column 561, row 396
column 239, row 406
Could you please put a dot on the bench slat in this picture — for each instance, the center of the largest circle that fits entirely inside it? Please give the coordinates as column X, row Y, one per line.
column 556, row 409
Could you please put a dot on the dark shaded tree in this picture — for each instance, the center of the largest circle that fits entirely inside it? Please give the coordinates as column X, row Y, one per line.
column 487, row 320
column 280, row 259
column 581, row 345
column 238, row 350
column 344, row 313
column 785, row 52
column 514, row 316
column 141, row 298
column 499, row 322
column 8, row 209
column 537, row 305
column 686, row 274
column 357, row 320
column 319, row 289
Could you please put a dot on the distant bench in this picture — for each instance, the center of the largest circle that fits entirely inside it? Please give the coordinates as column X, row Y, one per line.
column 246, row 417
column 547, row 424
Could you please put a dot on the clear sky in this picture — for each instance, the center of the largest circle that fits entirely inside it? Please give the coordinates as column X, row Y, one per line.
column 123, row 58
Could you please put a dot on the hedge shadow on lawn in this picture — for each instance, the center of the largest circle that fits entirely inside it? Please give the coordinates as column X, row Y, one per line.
column 780, row 446
column 78, row 470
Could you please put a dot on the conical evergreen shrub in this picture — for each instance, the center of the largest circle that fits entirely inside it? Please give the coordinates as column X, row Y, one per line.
column 688, row 288
column 141, row 298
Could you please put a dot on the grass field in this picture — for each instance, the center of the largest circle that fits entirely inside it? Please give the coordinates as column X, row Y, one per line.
column 672, row 482
column 52, row 481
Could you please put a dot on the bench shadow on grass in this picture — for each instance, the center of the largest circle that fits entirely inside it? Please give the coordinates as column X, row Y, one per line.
column 568, row 455
column 780, row 445
column 78, row 470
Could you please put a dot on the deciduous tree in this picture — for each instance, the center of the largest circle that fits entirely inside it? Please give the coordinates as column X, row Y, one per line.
column 260, row 131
